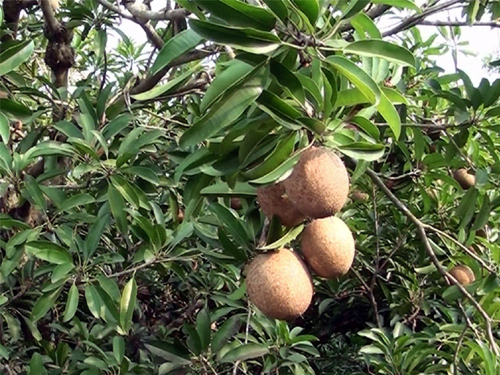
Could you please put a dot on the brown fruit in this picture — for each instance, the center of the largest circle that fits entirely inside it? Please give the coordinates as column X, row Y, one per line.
column 279, row 284
column 180, row 215
column 319, row 183
column 328, row 247
column 236, row 203
column 464, row 178
column 273, row 201
column 463, row 274
column 359, row 196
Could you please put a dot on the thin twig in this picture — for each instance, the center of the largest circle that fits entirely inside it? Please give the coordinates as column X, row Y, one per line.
column 427, row 245
column 459, row 23
column 463, row 247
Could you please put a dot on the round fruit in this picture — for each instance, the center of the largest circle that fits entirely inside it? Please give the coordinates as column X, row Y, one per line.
column 279, row 284
column 463, row 274
column 328, row 247
column 464, row 178
column 236, row 203
column 359, row 196
column 273, row 201
column 319, row 183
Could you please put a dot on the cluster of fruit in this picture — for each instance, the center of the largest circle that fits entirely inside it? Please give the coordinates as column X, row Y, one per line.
column 279, row 282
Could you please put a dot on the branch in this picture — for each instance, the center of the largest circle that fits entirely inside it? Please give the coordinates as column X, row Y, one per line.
column 152, row 35
column 373, row 13
column 49, row 16
column 417, row 18
column 425, row 240
column 146, row 14
column 151, row 81
column 459, row 23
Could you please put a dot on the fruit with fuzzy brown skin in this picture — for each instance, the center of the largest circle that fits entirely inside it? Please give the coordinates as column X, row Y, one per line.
column 359, row 196
column 279, row 284
column 273, row 202
column 463, row 274
column 328, row 247
column 464, row 178
column 319, row 183
column 235, row 203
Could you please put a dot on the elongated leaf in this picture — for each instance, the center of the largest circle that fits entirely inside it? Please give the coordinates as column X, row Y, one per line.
column 358, row 77
column 287, row 238
column 382, row 49
column 117, row 205
column 94, row 234
column 15, row 56
column 44, row 304
column 244, row 352
column 223, row 189
column 77, row 200
column 234, row 226
column 49, row 251
column 203, row 328
column 224, row 81
column 228, row 109
column 225, row 332
column 181, row 43
column 167, row 87
column 387, row 110
column 93, row 300
column 127, row 304
column 278, row 7
column 71, row 303
column 289, row 80
column 4, row 128
column 237, row 13
column 35, row 192
column 246, row 39
column 399, row 4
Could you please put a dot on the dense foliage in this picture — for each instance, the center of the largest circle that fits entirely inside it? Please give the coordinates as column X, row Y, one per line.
column 128, row 177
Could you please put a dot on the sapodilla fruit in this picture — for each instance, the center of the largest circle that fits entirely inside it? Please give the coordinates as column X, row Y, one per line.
column 273, row 201
column 464, row 178
column 463, row 274
column 319, row 183
column 279, row 284
column 359, row 196
column 328, row 247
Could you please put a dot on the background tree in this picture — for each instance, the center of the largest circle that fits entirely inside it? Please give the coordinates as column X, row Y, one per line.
column 128, row 178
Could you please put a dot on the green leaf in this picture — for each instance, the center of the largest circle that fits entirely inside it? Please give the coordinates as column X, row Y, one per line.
column 358, row 77
column 94, row 234
column 399, row 4
column 246, row 39
column 278, row 7
column 363, row 150
column 4, row 128
column 14, row 56
column 225, row 332
column 369, row 127
column 125, row 189
column 35, row 192
column 167, row 87
column 232, row 104
column 168, row 352
column 77, row 200
column 310, row 8
column 49, row 252
column 127, row 304
column 280, row 154
column 203, row 328
column 181, row 43
column 116, row 126
column 223, row 189
column 112, row 316
column 288, row 80
column 61, row 271
column 71, row 303
column 289, row 236
column 391, row 115
column 224, row 81
column 93, row 300
column 244, row 352
column 237, row 13
column 234, row 226
column 117, row 205
column 381, row 49
column 118, row 348
column 143, row 172
column 44, row 304
column 69, row 129
column 17, row 110
column 36, row 365
column 467, row 206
